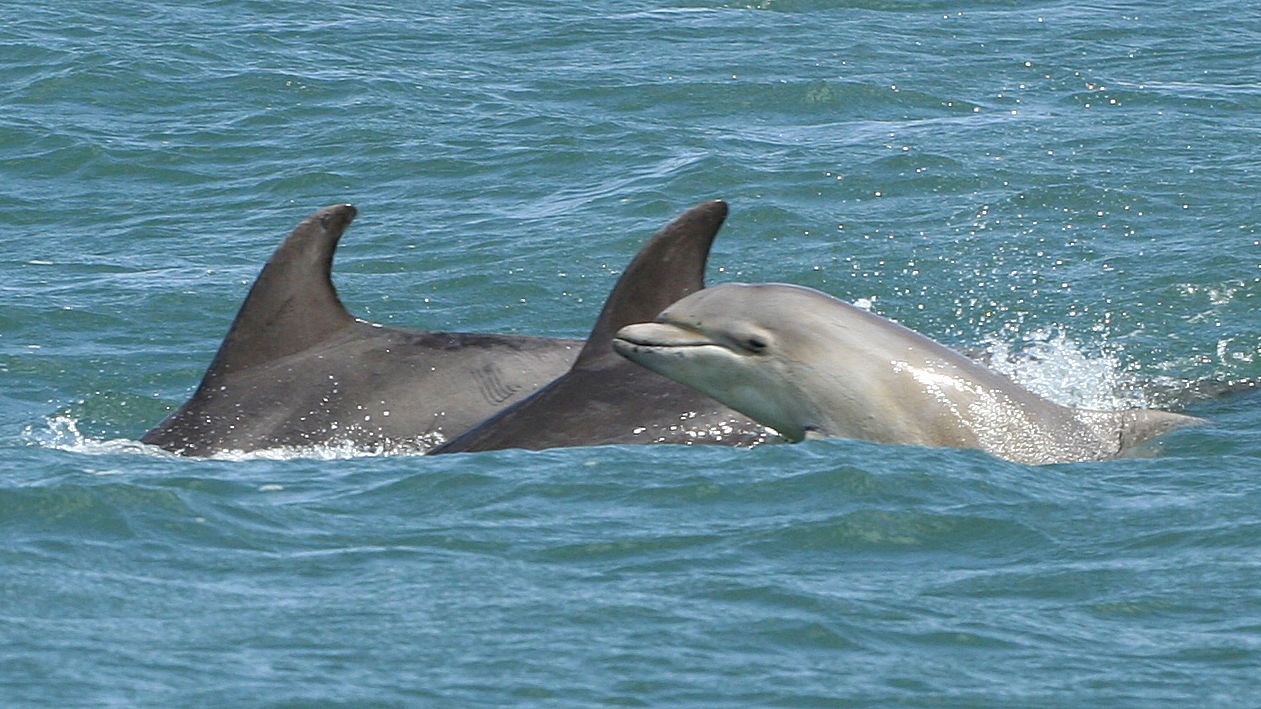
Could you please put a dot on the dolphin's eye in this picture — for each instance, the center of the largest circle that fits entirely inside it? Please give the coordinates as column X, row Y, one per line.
column 755, row 344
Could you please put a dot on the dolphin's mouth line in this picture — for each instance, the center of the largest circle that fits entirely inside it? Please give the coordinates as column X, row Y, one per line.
column 662, row 339
column 651, row 345
column 640, row 345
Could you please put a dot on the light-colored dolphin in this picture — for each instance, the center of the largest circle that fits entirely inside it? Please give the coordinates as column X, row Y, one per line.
column 810, row 365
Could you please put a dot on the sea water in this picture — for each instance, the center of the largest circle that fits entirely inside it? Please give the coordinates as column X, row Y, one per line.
column 1069, row 187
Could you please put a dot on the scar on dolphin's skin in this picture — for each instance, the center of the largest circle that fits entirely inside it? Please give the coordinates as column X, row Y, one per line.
column 491, row 383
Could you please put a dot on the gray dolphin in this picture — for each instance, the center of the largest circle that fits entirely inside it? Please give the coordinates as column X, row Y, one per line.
column 809, row 365
column 603, row 399
column 296, row 369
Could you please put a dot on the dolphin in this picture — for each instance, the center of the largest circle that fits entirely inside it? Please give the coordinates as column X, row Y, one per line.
column 603, row 399
column 298, row 370
column 811, row 366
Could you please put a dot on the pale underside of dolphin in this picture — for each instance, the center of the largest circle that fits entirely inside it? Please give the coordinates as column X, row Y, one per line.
column 809, row 365
column 298, row 370
column 603, row 399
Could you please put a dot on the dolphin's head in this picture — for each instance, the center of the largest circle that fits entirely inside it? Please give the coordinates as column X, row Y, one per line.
column 731, row 342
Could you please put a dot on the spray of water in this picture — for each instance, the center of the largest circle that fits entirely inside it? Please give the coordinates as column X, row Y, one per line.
column 1053, row 365
column 62, row 432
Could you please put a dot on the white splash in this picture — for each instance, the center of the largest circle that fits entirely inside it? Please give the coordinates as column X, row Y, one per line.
column 1063, row 370
column 61, row 432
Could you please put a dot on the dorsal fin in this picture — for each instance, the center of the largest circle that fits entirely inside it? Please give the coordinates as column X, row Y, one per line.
column 292, row 304
column 670, row 266
column 604, row 398
column 1141, row 425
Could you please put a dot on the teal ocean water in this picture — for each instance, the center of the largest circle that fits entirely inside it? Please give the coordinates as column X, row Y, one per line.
column 1070, row 186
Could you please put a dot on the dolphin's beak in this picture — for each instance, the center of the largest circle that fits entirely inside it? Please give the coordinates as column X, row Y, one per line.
column 654, row 335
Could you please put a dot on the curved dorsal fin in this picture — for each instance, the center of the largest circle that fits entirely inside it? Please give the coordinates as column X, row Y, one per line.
column 292, row 304
column 603, row 398
column 670, row 266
